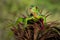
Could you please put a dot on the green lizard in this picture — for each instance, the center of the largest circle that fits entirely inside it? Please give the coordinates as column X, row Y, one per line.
column 35, row 15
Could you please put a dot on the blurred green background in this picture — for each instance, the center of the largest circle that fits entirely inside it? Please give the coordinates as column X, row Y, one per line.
column 10, row 10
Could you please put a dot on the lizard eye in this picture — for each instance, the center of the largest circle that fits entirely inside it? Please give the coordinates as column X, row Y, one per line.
column 31, row 14
column 36, row 7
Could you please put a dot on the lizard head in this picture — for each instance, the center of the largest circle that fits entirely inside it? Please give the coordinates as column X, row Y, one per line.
column 34, row 11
